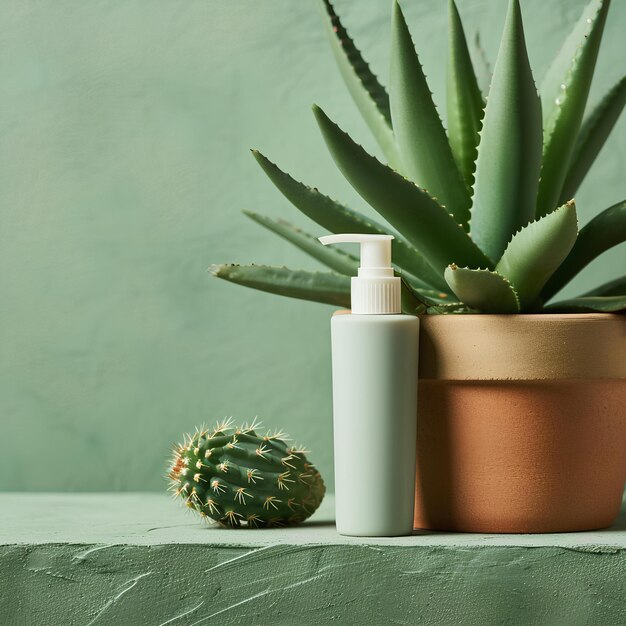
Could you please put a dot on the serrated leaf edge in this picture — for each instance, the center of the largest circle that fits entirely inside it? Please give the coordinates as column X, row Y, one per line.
column 259, row 219
column 311, row 189
column 551, row 122
column 480, row 137
column 337, row 26
column 454, row 267
column 404, row 179
column 214, row 269
column 569, row 203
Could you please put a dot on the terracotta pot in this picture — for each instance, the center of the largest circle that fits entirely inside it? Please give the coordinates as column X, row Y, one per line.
column 521, row 422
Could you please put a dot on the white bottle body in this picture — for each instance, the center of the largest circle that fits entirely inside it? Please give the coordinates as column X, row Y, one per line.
column 374, row 364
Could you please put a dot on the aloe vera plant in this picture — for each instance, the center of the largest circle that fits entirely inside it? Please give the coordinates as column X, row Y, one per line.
column 482, row 213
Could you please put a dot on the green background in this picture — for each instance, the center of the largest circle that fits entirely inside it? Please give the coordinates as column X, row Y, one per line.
column 124, row 164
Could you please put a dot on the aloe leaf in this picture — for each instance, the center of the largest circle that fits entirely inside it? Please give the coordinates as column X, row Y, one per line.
column 570, row 54
column 481, row 65
column 615, row 287
column 334, row 258
column 420, row 218
column 338, row 218
column 412, row 302
column 414, row 296
column 537, row 250
column 324, row 287
column 368, row 94
column 429, row 297
column 594, row 132
column 465, row 102
column 424, row 147
column 509, row 152
column 483, row 290
column 564, row 95
column 604, row 231
column 589, row 304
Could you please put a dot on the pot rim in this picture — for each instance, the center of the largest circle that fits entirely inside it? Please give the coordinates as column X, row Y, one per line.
column 529, row 316
column 527, row 346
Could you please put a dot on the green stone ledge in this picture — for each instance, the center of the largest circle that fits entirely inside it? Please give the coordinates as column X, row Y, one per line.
column 134, row 559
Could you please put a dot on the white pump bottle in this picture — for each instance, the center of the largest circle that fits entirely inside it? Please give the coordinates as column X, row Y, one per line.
column 374, row 362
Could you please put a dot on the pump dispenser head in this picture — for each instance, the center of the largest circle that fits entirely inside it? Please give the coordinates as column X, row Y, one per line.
column 375, row 291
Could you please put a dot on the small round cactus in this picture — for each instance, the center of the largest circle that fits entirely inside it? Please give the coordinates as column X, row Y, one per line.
column 238, row 477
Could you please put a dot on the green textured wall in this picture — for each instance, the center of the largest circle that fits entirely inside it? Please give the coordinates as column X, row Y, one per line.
column 124, row 164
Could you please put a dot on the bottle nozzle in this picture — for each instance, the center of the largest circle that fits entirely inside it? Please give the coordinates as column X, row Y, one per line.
column 376, row 289
column 375, row 250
